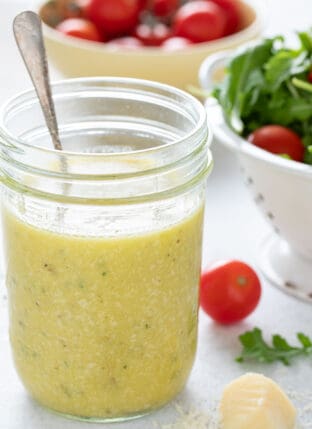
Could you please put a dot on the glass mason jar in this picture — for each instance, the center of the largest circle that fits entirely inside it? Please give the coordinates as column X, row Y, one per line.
column 103, row 244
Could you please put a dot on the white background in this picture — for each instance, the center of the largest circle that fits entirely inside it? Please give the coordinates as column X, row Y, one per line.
column 233, row 229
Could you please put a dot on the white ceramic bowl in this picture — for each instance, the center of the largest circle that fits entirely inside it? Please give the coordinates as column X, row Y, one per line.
column 76, row 57
column 281, row 189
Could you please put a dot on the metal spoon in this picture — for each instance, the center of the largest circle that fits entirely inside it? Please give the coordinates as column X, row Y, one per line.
column 27, row 28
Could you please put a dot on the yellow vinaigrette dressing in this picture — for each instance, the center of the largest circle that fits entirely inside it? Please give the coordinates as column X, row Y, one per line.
column 103, row 244
column 103, row 326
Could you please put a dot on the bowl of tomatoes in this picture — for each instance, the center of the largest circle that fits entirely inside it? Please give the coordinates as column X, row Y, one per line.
column 162, row 40
column 260, row 107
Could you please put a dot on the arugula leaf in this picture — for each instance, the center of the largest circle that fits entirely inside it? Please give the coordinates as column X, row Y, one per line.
column 306, row 41
column 256, row 349
column 289, row 111
column 283, row 65
column 305, row 341
column 232, row 92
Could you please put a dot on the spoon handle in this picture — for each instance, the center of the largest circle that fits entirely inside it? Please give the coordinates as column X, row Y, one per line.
column 27, row 29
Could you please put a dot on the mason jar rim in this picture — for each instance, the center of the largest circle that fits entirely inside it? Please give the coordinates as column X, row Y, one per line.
column 160, row 170
column 19, row 144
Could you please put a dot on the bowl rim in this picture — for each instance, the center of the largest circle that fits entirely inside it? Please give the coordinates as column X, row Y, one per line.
column 222, row 130
column 259, row 6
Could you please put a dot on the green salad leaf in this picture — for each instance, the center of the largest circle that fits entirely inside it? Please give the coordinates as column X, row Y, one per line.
column 266, row 83
column 256, row 349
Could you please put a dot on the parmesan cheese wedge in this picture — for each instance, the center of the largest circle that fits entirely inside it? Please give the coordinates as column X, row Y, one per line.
column 256, row 402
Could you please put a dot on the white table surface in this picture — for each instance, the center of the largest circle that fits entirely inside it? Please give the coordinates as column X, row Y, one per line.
column 233, row 229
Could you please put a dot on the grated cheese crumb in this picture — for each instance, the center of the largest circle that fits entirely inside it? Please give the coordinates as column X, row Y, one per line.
column 303, row 402
column 191, row 418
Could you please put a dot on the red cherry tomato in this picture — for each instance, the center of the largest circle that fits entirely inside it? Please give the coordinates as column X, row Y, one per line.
column 143, row 4
column 152, row 36
column 114, row 16
column 200, row 21
column 127, row 42
column 176, row 43
column 279, row 140
column 229, row 291
column 81, row 28
column 164, row 7
column 310, row 76
column 232, row 14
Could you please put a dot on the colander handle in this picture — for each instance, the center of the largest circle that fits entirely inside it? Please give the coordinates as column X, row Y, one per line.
column 210, row 71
